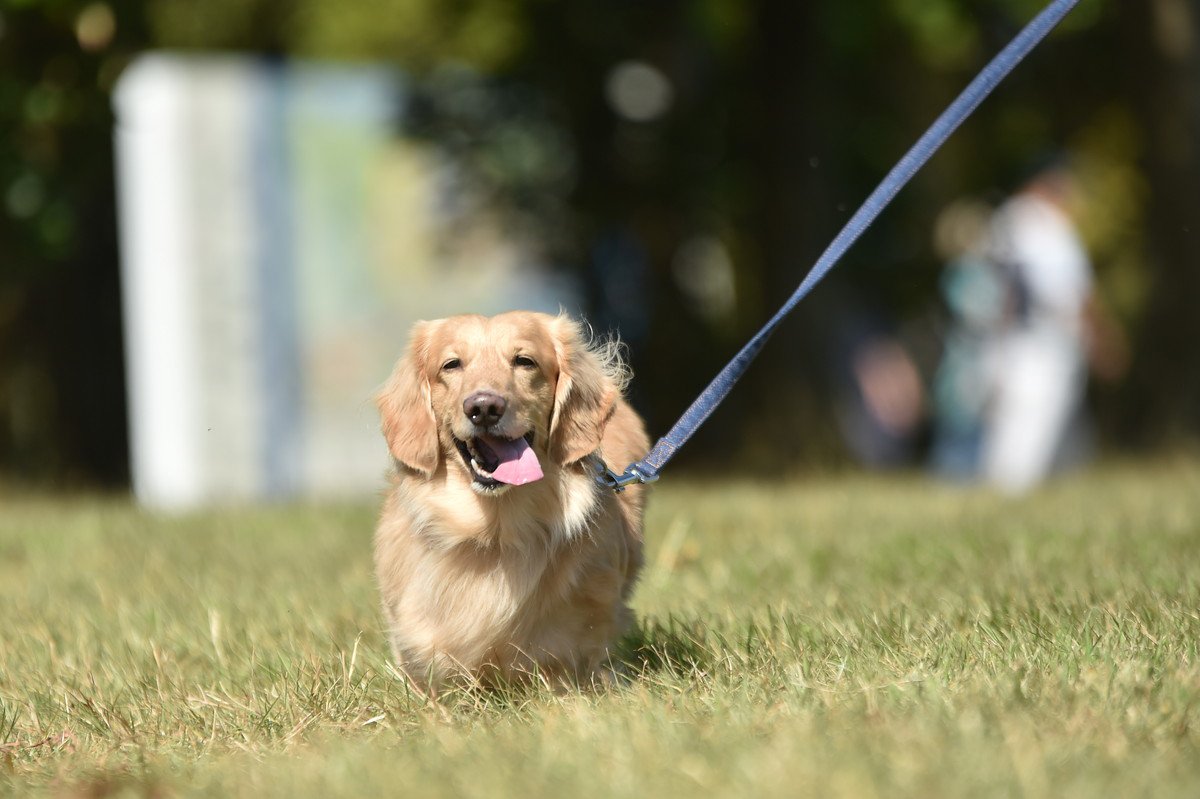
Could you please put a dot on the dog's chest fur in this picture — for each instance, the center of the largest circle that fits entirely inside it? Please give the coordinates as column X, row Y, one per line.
column 475, row 581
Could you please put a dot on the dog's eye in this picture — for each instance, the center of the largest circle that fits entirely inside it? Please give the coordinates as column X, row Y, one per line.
column 525, row 362
column 451, row 365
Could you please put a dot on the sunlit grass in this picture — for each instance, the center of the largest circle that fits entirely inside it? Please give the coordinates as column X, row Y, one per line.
column 849, row 636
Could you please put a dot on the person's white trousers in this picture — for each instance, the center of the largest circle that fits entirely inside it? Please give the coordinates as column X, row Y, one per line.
column 1038, row 379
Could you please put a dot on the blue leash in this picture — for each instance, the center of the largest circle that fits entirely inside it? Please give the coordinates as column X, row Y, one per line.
column 647, row 469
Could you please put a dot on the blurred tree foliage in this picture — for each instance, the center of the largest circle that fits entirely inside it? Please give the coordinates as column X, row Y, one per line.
column 773, row 120
column 61, row 381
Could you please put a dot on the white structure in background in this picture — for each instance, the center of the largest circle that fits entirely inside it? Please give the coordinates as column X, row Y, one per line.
column 278, row 241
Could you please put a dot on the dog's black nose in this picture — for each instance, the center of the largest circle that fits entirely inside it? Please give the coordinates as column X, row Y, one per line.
column 484, row 408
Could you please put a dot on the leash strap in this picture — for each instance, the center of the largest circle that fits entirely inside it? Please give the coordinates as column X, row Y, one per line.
column 647, row 469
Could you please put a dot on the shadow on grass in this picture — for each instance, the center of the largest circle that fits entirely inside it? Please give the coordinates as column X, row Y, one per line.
column 674, row 646
column 679, row 648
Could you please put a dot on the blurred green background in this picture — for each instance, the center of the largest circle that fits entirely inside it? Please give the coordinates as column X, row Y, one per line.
column 782, row 117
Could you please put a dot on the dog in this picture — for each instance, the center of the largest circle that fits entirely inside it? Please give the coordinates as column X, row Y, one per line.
column 499, row 558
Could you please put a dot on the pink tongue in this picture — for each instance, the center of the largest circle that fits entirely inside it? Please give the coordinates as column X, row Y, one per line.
column 518, row 463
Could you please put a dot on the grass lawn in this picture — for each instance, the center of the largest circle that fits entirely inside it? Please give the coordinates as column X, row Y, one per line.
column 842, row 636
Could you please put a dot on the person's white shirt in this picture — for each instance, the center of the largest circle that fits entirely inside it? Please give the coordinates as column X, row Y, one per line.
column 1041, row 243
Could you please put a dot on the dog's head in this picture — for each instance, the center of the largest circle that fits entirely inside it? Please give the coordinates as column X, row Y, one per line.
column 499, row 397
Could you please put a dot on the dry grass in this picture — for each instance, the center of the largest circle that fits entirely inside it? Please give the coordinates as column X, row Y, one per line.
column 848, row 636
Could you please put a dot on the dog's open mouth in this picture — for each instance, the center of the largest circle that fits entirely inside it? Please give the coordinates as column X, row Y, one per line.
column 496, row 462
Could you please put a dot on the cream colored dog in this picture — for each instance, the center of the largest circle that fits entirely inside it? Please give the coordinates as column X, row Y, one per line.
column 498, row 556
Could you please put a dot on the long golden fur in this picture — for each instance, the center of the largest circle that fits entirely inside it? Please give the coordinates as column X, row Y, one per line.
column 490, row 581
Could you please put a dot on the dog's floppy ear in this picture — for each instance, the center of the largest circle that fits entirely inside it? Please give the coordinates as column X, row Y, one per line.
column 589, row 383
column 406, row 408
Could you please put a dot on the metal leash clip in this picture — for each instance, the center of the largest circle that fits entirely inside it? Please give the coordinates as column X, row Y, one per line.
column 619, row 482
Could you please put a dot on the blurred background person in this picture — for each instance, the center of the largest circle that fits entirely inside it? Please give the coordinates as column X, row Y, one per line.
column 973, row 292
column 878, row 390
column 1031, row 324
